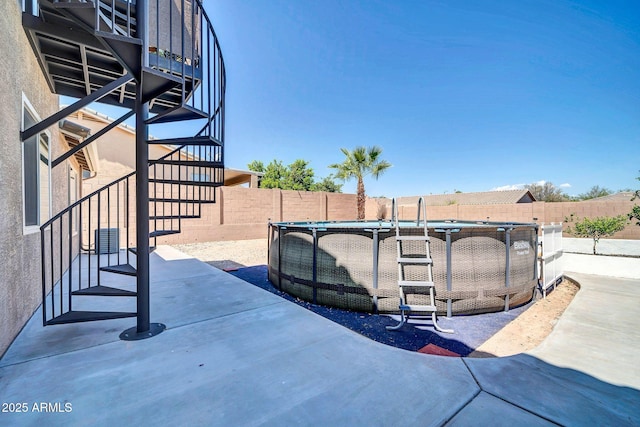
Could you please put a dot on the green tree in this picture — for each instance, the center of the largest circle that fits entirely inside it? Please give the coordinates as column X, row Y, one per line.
column 256, row 166
column 328, row 184
column 547, row 192
column 598, row 227
column 296, row 176
column 274, row 175
column 299, row 176
column 635, row 211
column 594, row 192
column 360, row 162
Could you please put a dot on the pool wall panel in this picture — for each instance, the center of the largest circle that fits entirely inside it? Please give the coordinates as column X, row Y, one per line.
column 343, row 276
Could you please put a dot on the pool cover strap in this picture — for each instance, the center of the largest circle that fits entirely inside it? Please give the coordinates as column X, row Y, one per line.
column 511, row 290
column 340, row 289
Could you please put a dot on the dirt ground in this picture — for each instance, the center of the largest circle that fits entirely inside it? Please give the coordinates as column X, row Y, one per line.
column 228, row 255
column 531, row 327
column 522, row 334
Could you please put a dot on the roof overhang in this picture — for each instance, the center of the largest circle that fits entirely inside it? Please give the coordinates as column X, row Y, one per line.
column 74, row 134
column 238, row 177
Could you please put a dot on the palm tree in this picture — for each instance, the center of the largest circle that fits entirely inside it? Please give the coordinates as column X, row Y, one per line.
column 360, row 162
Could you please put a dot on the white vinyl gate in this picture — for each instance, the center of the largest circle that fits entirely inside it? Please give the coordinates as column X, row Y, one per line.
column 551, row 256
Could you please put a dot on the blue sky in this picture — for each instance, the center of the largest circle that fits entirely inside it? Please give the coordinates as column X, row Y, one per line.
column 460, row 94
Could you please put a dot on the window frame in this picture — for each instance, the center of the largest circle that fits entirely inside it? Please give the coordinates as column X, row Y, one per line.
column 27, row 108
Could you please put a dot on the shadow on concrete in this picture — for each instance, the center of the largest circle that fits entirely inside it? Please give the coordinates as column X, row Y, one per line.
column 471, row 331
column 562, row 395
column 236, row 355
column 225, row 264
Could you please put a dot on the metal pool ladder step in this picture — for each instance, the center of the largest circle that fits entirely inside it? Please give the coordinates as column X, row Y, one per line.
column 423, row 261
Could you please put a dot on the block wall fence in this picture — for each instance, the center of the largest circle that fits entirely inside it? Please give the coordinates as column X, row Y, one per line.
column 243, row 213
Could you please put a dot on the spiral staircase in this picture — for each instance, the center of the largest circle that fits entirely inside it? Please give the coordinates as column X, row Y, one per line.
column 160, row 60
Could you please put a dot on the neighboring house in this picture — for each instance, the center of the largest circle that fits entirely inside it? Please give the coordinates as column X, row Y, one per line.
column 115, row 152
column 479, row 198
column 622, row 196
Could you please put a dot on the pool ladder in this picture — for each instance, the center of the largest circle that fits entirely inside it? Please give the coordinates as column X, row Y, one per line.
column 421, row 260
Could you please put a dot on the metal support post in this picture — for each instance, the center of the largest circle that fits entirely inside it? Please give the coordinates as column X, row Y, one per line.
column 507, row 275
column 449, row 275
column 280, row 237
column 376, row 254
column 314, row 232
column 535, row 264
column 143, row 329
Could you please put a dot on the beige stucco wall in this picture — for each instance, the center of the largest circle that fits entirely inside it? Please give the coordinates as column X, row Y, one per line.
column 20, row 288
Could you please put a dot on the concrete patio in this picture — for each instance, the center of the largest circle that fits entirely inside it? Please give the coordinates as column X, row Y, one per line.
column 234, row 354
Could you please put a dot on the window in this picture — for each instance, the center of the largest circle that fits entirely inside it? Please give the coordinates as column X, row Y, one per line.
column 36, row 172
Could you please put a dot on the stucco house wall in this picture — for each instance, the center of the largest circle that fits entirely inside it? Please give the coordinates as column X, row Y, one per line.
column 20, row 78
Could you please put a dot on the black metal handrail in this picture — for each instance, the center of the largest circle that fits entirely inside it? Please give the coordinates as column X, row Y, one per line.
column 178, row 191
column 67, row 235
column 193, row 53
column 181, row 42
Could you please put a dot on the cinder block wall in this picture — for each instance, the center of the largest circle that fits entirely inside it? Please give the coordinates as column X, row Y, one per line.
column 243, row 213
column 539, row 212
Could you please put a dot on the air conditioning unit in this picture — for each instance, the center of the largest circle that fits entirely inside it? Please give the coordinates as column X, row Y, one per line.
column 107, row 240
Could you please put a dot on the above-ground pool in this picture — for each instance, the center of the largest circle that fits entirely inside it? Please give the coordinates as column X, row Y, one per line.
column 477, row 266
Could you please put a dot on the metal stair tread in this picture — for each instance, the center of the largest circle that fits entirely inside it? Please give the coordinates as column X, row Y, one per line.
column 194, row 163
column 160, row 233
column 177, row 114
column 168, row 217
column 418, row 238
column 416, row 283
column 156, row 83
column 185, row 182
column 187, row 140
column 422, row 260
column 126, row 269
column 104, row 291
column 118, row 37
column 185, row 201
column 88, row 316
column 414, row 307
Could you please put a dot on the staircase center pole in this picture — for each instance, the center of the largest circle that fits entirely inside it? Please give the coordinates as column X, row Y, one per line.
column 143, row 329
column 142, row 211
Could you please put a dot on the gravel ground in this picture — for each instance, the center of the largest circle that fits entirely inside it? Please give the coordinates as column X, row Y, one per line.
column 523, row 333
